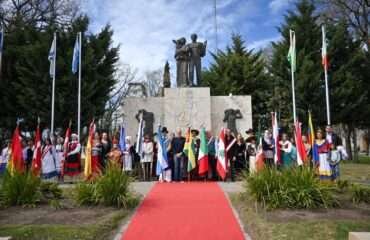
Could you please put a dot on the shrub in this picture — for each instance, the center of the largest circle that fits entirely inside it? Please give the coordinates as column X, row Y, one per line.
column 51, row 190
column 110, row 189
column 360, row 194
column 84, row 194
column 20, row 189
column 290, row 188
column 113, row 188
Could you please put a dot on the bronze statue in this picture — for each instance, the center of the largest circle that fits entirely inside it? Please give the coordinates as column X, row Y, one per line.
column 148, row 119
column 197, row 50
column 166, row 76
column 230, row 118
column 182, row 59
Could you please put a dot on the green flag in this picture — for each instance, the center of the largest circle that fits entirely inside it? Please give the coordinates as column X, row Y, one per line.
column 292, row 51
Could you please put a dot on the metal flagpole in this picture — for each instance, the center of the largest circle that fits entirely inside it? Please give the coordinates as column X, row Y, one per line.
column 292, row 43
column 326, row 76
column 53, row 85
column 79, row 87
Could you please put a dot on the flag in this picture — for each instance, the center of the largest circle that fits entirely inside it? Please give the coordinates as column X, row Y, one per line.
column 36, row 159
column 292, row 51
column 52, row 56
column 88, row 170
column 139, row 140
column 16, row 162
column 189, row 150
column 76, row 55
column 324, row 55
column 122, row 139
column 260, row 157
column 311, row 131
column 162, row 161
column 301, row 152
column 65, row 146
column 203, row 153
column 221, row 155
column 275, row 135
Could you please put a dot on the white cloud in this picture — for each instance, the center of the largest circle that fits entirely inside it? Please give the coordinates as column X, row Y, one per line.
column 277, row 5
column 260, row 44
column 145, row 29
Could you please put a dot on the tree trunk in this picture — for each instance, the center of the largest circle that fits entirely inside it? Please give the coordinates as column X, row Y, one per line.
column 347, row 131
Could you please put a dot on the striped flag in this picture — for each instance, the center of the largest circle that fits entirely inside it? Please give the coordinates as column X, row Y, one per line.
column 311, row 131
column 275, row 135
column 76, row 55
column 36, row 159
column 189, row 150
column 52, row 56
column 203, row 153
column 324, row 55
column 88, row 170
column 292, row 51
column 260, row 157
column 162, row 161
column 221, row 155
column 16, row 161
column 139, row 140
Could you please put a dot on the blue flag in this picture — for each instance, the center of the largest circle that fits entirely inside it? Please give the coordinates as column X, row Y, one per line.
column 52, row 56
column 122, row 139
column 76, row 55
column 162, row 161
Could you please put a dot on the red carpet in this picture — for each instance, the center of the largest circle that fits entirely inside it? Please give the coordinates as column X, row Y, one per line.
column 184, row 211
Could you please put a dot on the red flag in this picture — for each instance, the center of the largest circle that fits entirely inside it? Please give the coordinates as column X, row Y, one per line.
column 260, row 157
column 275, row 135
column 65, row 147
column 36, row 159
column 221, row 155
column 16, row 158
column 301, row 152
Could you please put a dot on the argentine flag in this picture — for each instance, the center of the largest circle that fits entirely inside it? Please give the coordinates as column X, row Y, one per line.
column 76, row 55
column 122, row 139
column 162, row 162
column 52, row 56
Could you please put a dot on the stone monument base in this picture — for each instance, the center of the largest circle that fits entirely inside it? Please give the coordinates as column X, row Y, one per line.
column 188, row 107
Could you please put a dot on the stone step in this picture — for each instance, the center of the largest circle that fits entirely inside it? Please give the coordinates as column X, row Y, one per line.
column 359, row 236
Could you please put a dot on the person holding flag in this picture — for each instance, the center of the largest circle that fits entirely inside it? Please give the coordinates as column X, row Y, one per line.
column 92, row 154
column 48, row 160
column 189, row 151
column 203, row 154
column 221, row 155
column 162, row 158
column 72, row 165
column 59, row 149
column 16, row 162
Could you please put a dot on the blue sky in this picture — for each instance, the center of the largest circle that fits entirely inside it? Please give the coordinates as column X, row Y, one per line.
column 145, row 28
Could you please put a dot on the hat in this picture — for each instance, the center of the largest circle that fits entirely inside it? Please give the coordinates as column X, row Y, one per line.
column 249, row 131
column 195, row 131
column 250, row 138
column 164, row 130
column 74, row 135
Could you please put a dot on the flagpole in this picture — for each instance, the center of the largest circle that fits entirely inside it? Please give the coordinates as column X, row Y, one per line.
column 326, row 78
column 79, row 88
column 53, row 85
column 292, row 72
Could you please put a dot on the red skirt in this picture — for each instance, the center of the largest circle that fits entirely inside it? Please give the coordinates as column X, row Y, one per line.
column 72, row 165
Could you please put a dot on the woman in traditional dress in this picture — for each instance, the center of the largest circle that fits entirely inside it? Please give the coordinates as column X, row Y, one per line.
column 128, row 155
column 72, row 165
column 59, row 149
column 96, row 154
column 321, row 150
column 251, row 152
column 48, row 160
column 147, row 158
column 268, row 148
column 4, row 157
column 286, row 151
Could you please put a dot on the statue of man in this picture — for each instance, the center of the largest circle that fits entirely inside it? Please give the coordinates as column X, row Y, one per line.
column 197, row 50
column 182, row 59
column 230, row 118
column 148, row 118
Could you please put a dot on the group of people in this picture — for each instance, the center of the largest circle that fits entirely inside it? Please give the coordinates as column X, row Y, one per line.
column 60, row 157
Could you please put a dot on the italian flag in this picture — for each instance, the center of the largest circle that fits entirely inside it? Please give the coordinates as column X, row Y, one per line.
column 36, row 159
column 324, row 55
column 221, row 155
column 203, row 153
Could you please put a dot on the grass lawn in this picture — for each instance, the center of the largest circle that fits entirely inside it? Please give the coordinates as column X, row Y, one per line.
column 261, row 226
column 355, row 172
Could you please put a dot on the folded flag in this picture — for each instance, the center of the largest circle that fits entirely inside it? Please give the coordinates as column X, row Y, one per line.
column 221, row 155
column 203, row 153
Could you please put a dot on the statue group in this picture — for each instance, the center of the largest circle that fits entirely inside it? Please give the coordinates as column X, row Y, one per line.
column 188, row 60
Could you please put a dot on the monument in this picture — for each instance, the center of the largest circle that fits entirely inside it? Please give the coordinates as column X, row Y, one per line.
column 188, row 105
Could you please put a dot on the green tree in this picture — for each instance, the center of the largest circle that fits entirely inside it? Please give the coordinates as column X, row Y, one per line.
column 309, row 80
column 239, row 71
column 25, row 80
